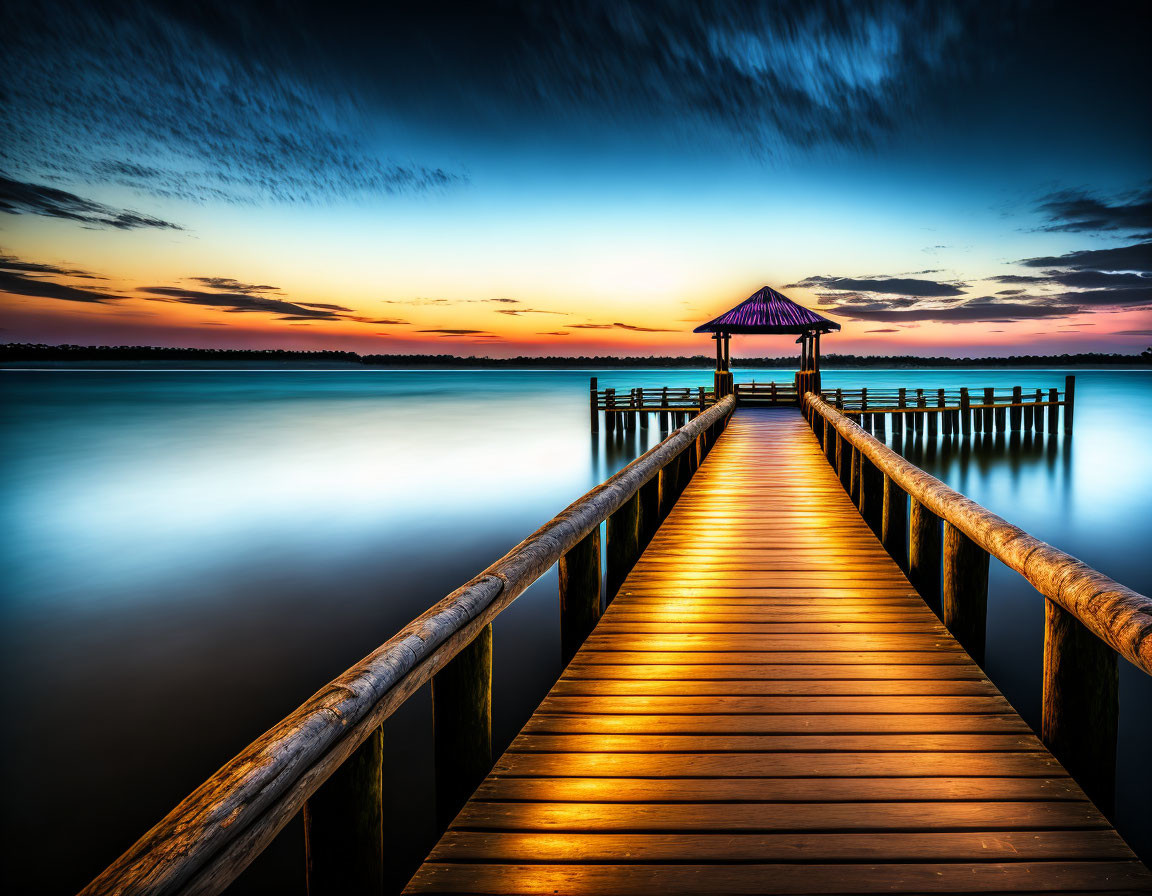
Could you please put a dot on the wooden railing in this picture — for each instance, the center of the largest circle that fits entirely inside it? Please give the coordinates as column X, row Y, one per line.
column 772, row 393
column 631, row 408
column 957, row 411
column 334, row 739
column 943, row 540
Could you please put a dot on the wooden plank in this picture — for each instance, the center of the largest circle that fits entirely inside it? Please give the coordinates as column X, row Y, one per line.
column 801, row 879
column 816, row 790
column 786, row 704
column 974, row 740
column 980, row 846
column 780, row 765
column 868, row 816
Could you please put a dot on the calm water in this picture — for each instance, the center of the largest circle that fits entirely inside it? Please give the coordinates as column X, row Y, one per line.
column 189, row 555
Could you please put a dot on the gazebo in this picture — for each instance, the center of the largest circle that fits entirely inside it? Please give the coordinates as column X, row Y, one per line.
column 769, row 312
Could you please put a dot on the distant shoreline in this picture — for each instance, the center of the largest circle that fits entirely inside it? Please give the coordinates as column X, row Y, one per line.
column 67, row 357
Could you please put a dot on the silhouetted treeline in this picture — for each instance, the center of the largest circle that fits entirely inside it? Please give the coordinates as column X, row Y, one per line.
column 15, row 352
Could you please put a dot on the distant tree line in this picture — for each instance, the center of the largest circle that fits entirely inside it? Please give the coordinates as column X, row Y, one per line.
column 16, row 352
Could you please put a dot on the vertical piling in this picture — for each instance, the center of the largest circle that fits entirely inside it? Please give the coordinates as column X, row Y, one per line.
column 579, row 571
column 623, row 536
column 344, row 826
column 1080, row 704
column 894, row 526
column 924, row 552
column 462, row 725
column 964, row 596
column 1069, row 401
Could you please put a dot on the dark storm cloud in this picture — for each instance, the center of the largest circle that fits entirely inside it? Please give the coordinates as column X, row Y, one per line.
column 1137, row 257
column 21, row 198
column 17, row 284
column 1078, row 212
column 902, row 286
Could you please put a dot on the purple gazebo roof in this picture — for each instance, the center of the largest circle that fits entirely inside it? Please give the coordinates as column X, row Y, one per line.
column 767, row 311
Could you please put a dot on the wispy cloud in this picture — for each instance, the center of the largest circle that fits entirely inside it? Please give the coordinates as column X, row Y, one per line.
column 228, row 283
column 12, row 263
column 21, row 198
column 1136, row 257
column 619, row 326
column 902, row 286
column 448, row 332
column 21, row 285
column 516, row 312
column 1078, row 211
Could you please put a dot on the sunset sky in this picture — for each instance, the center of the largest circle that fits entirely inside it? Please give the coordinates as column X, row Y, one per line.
column 576, row 177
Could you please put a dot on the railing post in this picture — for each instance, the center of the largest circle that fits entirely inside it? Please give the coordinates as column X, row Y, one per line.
column 649, row 510
column 579, row 571
column 894, row 526
column 641, row 413
column 854, row 477
column 933, row 419
column 964, row 598
column 989, row 396
column 924, row 552
column 1069, row 401
column 623, row 535
column 344, row 825
column 1080, row 704
column 609, row 414
column 844, row 462
column 1017, row 411
column 1038, row 420
column 965, row 411
column 947, row 415
column 664, row 413
column 592, row 404
column 630, row 416
column 1028, row 413
column 1053, row 410
column 462, row 725
column 920, row 403
column 871, row 495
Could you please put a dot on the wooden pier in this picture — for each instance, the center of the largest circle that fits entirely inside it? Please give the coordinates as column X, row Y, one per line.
column 768, row 706
column 769, row 702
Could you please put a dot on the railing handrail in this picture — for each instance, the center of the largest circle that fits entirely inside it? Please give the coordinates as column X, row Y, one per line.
column 212, row 835
column 1114, row 613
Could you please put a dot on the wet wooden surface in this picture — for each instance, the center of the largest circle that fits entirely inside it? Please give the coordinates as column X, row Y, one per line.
column 768, row 707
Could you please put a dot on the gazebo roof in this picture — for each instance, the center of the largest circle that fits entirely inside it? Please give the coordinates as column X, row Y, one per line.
column 767, row 311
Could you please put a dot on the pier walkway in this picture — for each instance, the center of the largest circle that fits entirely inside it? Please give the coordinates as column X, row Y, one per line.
column 768, row 706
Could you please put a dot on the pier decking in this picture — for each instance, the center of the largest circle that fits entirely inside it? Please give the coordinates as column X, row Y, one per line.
column 768, row 706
